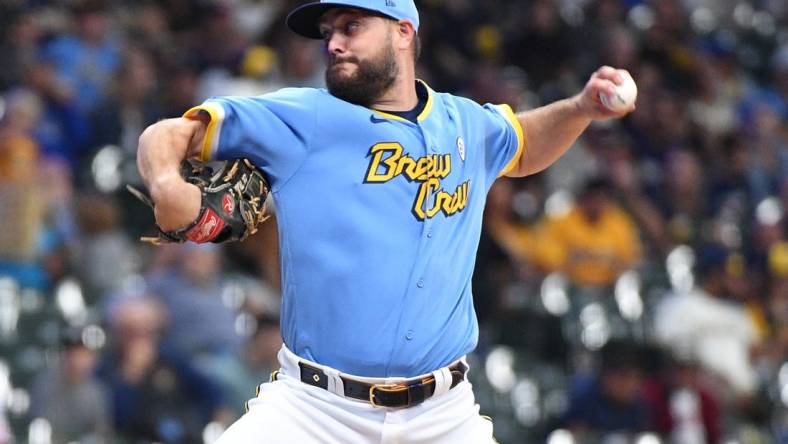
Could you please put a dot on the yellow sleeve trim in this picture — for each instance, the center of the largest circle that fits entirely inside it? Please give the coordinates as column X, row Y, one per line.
column 211, row 133
column 518, row 128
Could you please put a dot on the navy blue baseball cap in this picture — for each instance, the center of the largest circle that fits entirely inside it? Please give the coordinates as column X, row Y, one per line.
column 304, row 19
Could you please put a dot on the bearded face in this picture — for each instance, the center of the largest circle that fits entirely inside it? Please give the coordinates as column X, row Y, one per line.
column 370, row 79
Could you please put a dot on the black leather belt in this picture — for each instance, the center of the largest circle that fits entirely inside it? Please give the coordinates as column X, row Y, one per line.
column 405, row 394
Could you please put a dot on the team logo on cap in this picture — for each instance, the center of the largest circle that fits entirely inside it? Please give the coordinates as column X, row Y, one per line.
column 461, row 148
column 391, row 3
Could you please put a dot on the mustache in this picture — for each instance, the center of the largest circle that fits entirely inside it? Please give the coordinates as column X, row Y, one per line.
column 333, row 60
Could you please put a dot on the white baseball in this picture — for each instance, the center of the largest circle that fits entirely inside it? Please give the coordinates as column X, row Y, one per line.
column 624, row 95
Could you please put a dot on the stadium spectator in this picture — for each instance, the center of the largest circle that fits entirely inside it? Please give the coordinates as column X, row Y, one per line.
column 767, row 147
column 610, row 400
column 62, row 132
column 680, row 197
column 19, row 48
column 682, row 402
column 70, row 397
column 35, row 195
column 594, row 242
column 709, row 326
column 191, row 290
column 85, row 62
column 240, row 373
column 156, row 396
column 130, row 105
column 19, row 155
column 107, row 255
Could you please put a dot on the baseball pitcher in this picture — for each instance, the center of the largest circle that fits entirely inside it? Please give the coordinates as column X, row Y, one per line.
column 380, row 183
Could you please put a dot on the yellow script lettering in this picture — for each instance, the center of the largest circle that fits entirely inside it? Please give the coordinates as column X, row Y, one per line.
column 390, row 164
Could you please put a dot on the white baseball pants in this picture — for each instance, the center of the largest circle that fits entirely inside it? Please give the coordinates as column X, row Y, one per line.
column 287, row 411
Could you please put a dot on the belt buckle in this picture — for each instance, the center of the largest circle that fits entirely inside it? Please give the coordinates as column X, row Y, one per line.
column 393, row 388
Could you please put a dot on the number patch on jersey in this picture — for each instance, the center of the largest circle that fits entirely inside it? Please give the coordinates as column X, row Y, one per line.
column 388, row 162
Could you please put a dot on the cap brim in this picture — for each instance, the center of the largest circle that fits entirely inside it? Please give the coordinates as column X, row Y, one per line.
column 304, row 19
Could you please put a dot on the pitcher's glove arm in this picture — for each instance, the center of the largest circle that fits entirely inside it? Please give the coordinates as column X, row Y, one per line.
column 233, row 202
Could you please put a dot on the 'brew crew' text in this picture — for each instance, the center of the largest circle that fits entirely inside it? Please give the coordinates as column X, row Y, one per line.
column 388, row 162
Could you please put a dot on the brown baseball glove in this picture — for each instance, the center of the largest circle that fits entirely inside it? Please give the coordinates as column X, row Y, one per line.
column 233, row 202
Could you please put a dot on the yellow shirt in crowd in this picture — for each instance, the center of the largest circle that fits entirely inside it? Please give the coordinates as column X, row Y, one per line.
column 591, row 253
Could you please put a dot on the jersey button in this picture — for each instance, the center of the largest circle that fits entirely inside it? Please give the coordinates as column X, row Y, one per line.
column 409, row 335
column 420, row 283
column 429, row 234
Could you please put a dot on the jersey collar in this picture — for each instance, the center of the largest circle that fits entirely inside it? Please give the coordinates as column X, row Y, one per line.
column 424, row 113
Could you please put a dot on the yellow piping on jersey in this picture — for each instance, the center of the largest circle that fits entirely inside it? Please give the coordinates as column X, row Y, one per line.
column 422, row 115
column 518, row 128
column 389, row 116
column 428, row 107
column 205, row 153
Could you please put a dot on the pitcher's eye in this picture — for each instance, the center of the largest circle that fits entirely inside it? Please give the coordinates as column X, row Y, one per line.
column 352, row 27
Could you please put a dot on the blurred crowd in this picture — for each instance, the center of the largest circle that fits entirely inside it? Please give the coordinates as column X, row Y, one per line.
column 636, row 291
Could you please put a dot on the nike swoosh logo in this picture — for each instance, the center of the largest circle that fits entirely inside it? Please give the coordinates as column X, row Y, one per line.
column 374, row 119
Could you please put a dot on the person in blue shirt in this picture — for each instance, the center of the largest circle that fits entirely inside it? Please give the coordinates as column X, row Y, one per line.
column 611, row 400
column 380, row 184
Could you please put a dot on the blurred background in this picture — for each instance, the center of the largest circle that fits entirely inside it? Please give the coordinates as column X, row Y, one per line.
column 635, row 292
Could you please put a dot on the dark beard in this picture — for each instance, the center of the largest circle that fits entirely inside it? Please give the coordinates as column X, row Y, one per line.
column 371, row 80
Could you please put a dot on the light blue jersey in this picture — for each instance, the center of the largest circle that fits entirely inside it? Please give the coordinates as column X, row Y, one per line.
column 379, row 219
